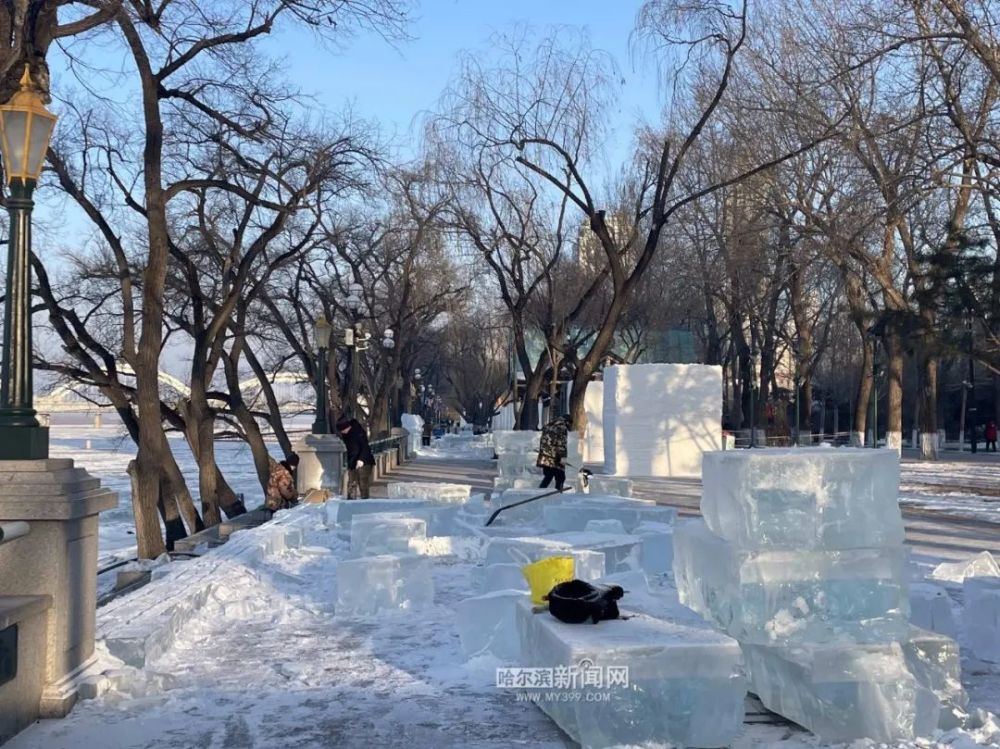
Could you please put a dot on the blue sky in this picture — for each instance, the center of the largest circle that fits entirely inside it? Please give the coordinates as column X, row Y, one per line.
column 394, row 85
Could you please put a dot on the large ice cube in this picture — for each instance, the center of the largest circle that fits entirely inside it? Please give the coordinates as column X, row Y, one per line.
column 980, row 565
column 443, row 493
column 605, row 526
column 844, row 691
column 389, row 581
column 629, row 682
column 385, row 533
column 572, row 513
column 657, row 547
column 528, row 513
column 512, row 465
column 618, row 486
column 791, row 596
column 935, row 661
column 621, row 553
column 503, row 576
column 515, row 441
column 522, row 550
column 982, row 617
column 930, row 608
column 487, row 624
column 440, row 518
column 823, row 498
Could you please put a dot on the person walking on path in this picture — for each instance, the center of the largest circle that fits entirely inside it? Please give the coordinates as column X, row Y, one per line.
column 359, row 457
column 552, row 452
column 281, row 492
column 991, row 436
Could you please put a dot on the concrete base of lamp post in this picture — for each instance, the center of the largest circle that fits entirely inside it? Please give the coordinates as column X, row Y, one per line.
column 321, row 462
column 56, row 561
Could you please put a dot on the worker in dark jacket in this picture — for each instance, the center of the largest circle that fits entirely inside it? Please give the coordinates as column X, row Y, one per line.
column 552, row 452
column 359, row 458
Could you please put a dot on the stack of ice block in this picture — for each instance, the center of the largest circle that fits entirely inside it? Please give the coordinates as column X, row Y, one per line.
column 800, row 557
column 516, row 452
column 385, row 533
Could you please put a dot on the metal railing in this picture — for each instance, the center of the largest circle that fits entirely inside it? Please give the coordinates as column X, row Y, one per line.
column 386, row 445
column 10, row 531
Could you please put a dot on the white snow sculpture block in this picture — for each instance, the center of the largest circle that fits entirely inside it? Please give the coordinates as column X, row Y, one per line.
column 982, row 617
column 389, row 581
column 657, row 547
column 980, row 565
column 414, row 425
column 617, row 486
column 385, row 533
column 593, row 435
column 621, row 553
column 660, row 418
column 776, row 596
column 443, row 493
column 488, row 624
column 823, row 498
column 605, row 526
column 502, row 576
column 842, row 691
column 666, row 683
column 930, row 609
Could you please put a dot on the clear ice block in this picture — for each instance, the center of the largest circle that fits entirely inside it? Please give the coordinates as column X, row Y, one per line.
column 935, row 661
column 775, row 596
column 605, row 526
column 982, row 617
column 657, row 547
column 515, row 441
column 440, row 518
column 621, row 553
column 487, row 624
column 614, row 485
column 503, row 576
column 442, row 493
column 980, row 565
column 930, row 609
column 385, row 533
column 821, row 498
column 521, row 550
column 649, row 680
column 369, row 584
column 844, row 691
column 573, row 512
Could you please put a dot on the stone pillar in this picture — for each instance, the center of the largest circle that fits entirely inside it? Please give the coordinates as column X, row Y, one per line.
column 58, row 558
column 321, row 462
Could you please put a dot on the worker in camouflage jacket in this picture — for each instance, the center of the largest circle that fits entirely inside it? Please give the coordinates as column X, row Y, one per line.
column 552, row 452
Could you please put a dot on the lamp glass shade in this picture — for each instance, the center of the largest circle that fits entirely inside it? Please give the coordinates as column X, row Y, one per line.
column 321, row 332
column 25, row 130
column 353, row 302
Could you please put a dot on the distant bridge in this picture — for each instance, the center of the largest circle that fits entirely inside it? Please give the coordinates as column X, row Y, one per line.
column 293, row 391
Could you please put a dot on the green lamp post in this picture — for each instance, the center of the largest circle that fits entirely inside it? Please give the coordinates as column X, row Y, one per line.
column 25, row 130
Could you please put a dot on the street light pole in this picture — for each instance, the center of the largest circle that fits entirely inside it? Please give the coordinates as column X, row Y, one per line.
column 389, row 343
column 798, row 394
column 25, row 130
column 321, row 334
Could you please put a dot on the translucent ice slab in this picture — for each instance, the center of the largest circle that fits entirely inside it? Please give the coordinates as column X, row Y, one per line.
column 515, row 441
column 791, row 596
column 621, row 553
column 605, row 526
column 935, row 661
column 657, row 547
column 930, row 609
column 385, row 533
column 439, row 517
column 844, row 691
column 572, row 513
column 503, row 576
column 980, row 565
column 982, row 617
column 389, row 581
column 631, row 682
column 487, row 624
column 822, row 498
column 444, row 493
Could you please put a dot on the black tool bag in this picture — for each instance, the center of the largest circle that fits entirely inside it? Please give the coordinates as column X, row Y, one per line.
column 576, row 601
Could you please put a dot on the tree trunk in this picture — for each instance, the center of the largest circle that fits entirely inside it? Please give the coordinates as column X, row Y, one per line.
column 864, row 394
column 927, row 367
column 894, row 379
column 254, row 438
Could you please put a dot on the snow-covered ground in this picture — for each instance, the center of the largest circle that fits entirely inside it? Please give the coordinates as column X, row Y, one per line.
column 967, row 488
column 266, row 662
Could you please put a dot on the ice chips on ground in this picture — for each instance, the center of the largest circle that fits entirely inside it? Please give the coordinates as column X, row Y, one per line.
column 930, row 609
column 621, row 553
column 665, row 682
column 443, row 493
column 839, row 498
column 844, row 691
column 389, row 581
column 982, row 617
column 787, row 596
column 981, row 565
column 385, row 533
column 487, row 624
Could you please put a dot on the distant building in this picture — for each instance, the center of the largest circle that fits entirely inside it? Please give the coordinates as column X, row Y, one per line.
column 590, row 255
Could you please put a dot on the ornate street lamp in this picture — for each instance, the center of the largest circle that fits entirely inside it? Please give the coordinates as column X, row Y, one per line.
column 321, row 336
column 25, row 130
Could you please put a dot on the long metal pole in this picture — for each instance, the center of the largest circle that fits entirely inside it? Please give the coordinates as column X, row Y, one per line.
column 970, row 419
column 322, row 423
column 753, row 389
column 21, row 436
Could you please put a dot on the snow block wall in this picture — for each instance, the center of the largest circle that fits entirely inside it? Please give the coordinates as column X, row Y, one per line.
column 660, row 418
column 593, row 437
